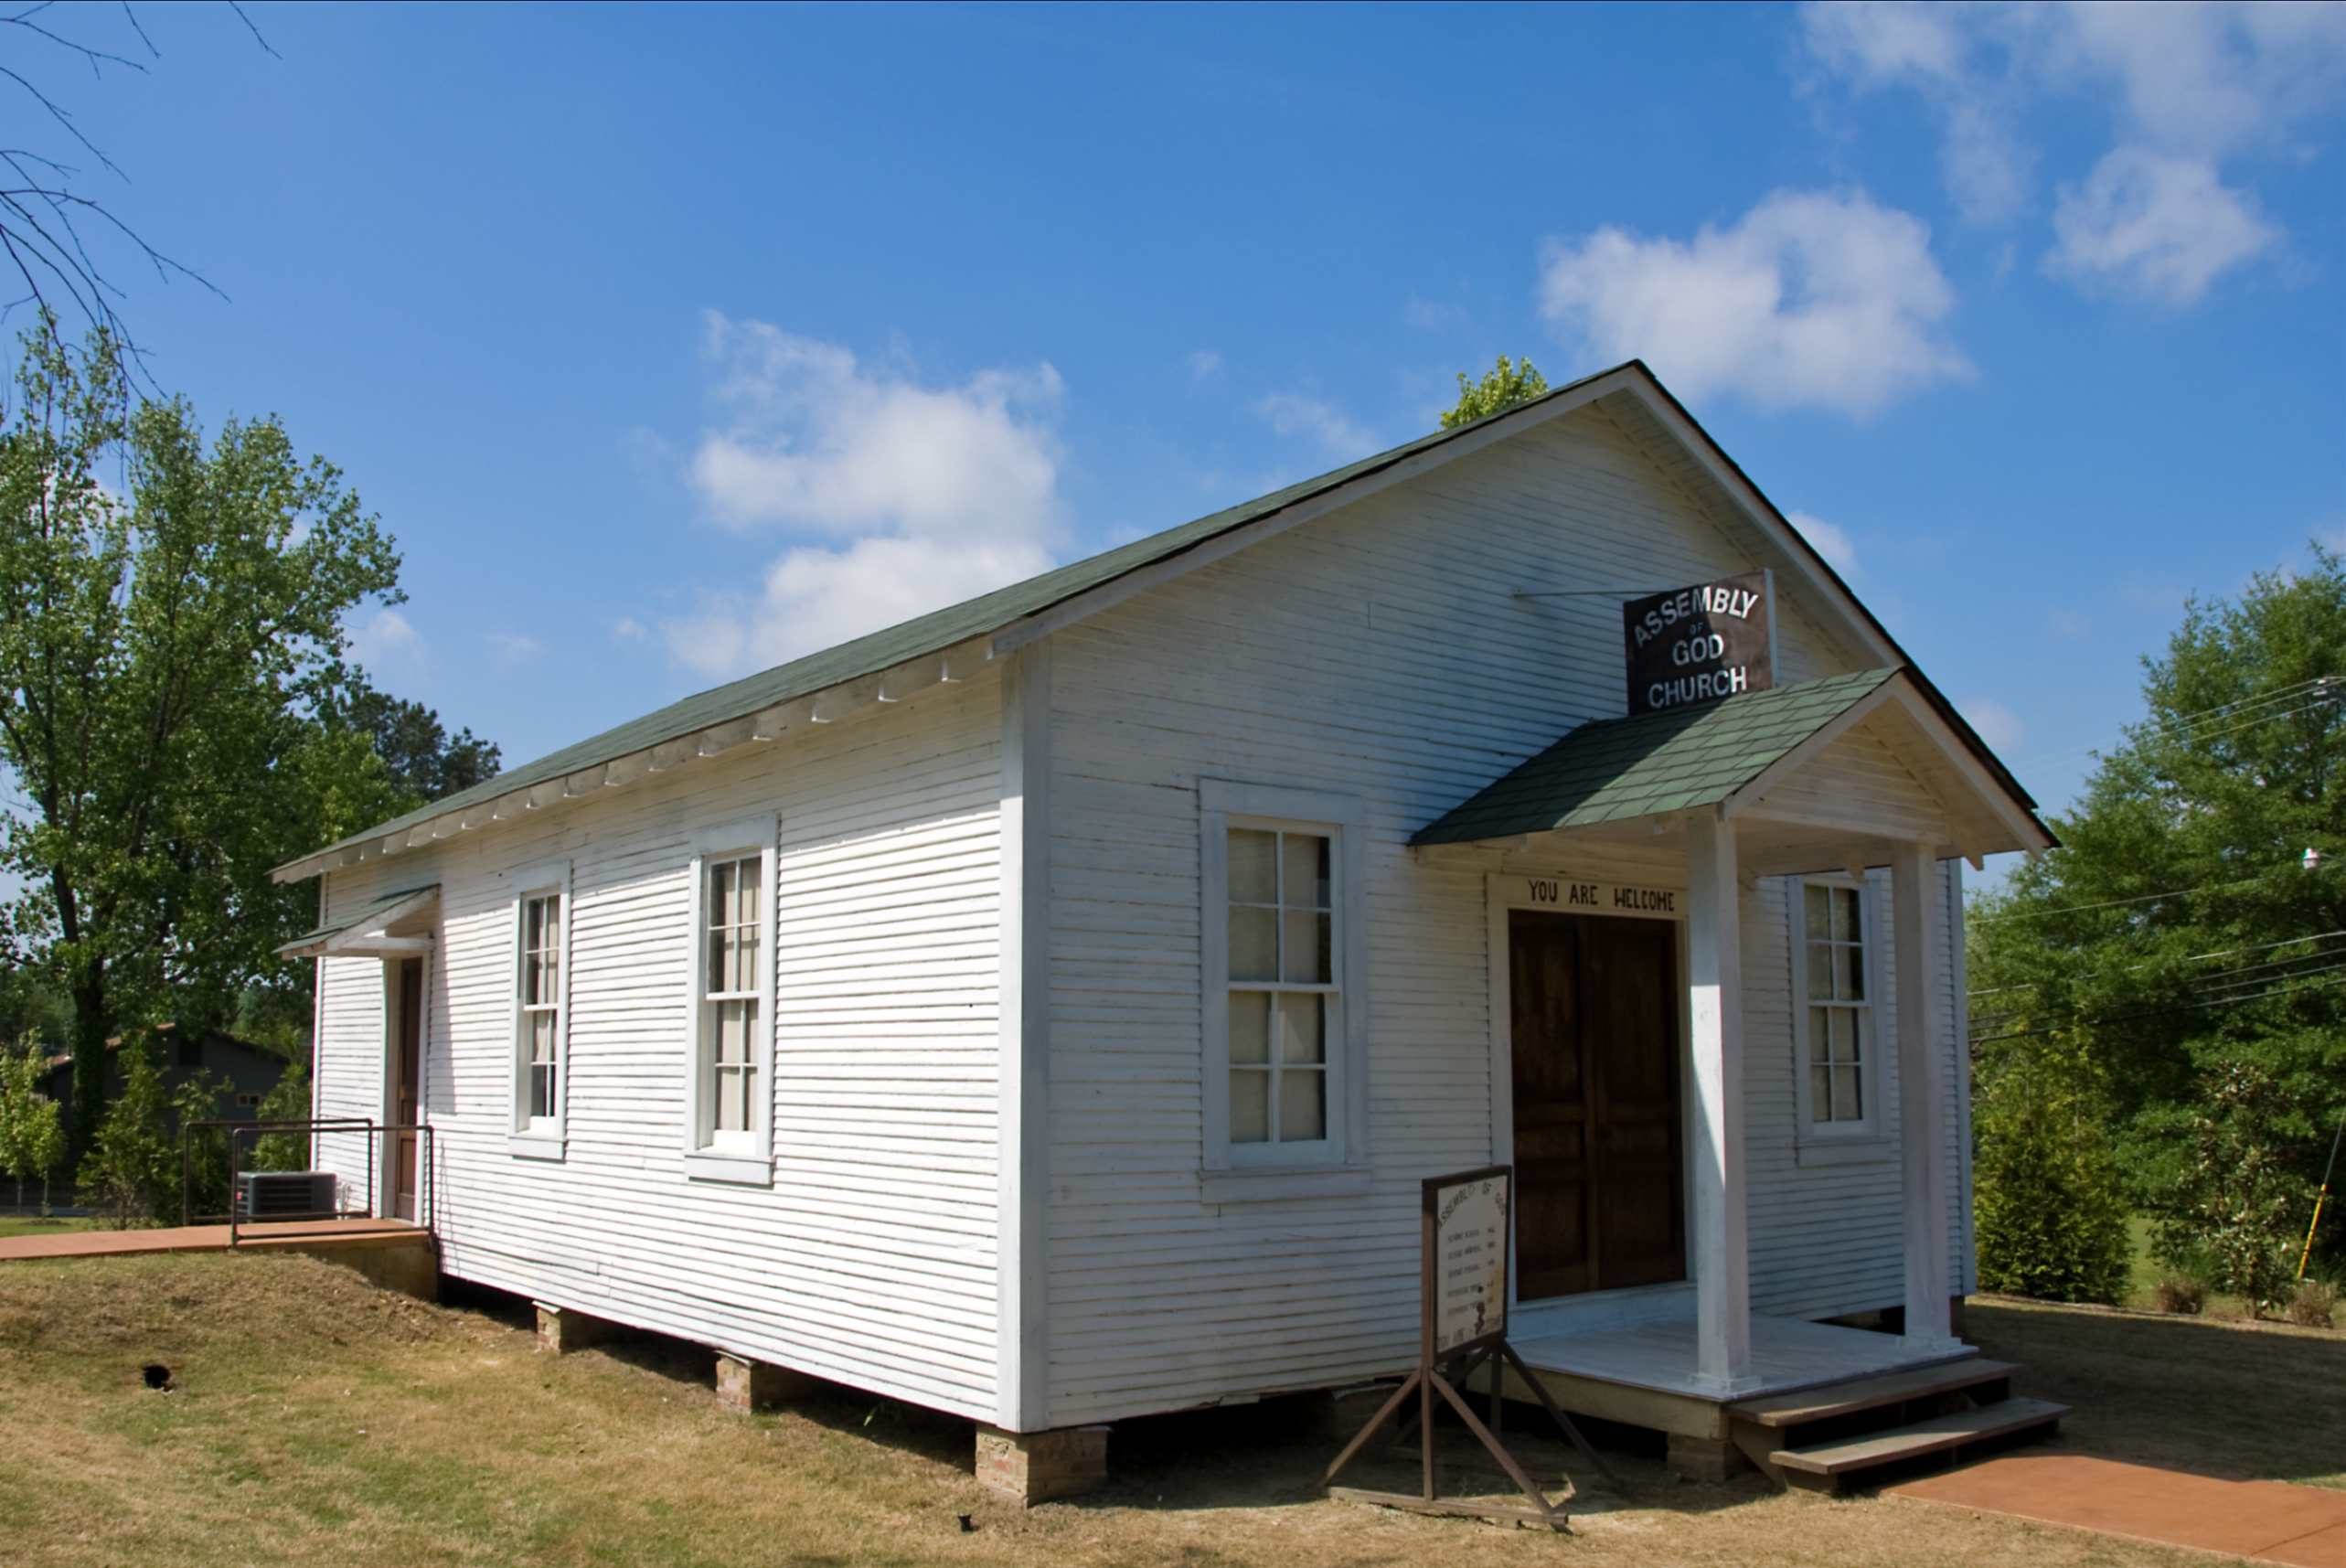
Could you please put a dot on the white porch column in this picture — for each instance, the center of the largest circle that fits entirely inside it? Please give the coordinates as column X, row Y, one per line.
column 1715, row 990
column 1915, row 917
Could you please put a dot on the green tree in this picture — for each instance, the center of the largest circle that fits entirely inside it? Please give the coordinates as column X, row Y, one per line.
column 2179, row 922
column 167, row 642
column 2049, row 1207
column 425, row 761
column 131, row 1169
column 288, row 1101
column 2238, row 1204
column 1508, row 383
column 32, row 1139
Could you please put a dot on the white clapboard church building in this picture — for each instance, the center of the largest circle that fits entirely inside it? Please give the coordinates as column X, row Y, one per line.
column 1046, row 1011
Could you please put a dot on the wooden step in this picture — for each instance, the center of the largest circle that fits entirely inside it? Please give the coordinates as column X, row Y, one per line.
column 1833, row 1462
column 1835, row 1400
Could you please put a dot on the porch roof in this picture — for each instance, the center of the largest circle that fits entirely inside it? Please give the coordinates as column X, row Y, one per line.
column 1681, row 759
column 351, row 933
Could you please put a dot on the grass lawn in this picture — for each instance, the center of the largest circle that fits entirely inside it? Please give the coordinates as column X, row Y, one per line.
column 318, row 1421
column 34, row 1225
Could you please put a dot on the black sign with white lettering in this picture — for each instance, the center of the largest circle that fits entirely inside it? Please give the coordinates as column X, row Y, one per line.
column 1700, row 643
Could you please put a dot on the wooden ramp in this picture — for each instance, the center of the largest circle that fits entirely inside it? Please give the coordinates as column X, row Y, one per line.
column 298, row 1235
column 1825, row 1438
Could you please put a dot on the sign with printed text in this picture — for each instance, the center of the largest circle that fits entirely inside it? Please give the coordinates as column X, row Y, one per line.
column 1578, row 895
column 1700, row 643
column 1467, row 1241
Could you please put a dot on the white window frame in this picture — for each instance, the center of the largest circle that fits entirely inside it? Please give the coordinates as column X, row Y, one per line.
column 1828, row 1143
column 707, row 1157
column 1236, row 1171
column 541, row 1138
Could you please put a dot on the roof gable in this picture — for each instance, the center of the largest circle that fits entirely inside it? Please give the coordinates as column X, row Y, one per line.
column 947, row 644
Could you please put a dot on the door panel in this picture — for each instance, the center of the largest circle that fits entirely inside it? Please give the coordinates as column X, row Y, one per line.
column 407, row 1065
column 1600, row 1200
column 1553, row 1239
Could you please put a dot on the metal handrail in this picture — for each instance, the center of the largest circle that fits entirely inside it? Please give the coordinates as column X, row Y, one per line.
column 426, row 1205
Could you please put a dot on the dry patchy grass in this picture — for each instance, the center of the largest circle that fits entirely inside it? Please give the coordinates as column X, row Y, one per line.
column 317, row 1421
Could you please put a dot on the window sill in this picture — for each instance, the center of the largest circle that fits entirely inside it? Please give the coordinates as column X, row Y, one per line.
column 741, row 1169
column 1870, row 1149
column 1266, row 1186
column 537, row 1146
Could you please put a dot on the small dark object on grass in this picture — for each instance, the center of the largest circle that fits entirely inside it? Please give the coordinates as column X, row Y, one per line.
column 158, row 1376
column 2180, row 1294
column 968, row 1523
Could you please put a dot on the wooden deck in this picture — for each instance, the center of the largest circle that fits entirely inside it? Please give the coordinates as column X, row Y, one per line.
column 304, row 1235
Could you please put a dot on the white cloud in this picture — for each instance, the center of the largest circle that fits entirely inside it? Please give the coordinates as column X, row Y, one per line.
column 511, row 648
column 1812, row 299
column 2066, row 621
column 1997, row 725
column 627, row 629
column 1832, row 541
column 815, row 596
column 2156, row 228
column 905, row 495
column 819, row 441
column 1203, row 362
column 2190, row 84
column 1433, row 315
column 1292, row 413
column 1938, row 51
column 388, row 638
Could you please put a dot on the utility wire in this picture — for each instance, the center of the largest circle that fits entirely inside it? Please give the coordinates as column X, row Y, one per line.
column 2157, row 1012
column 2148, row 897
column 2190, row 958
column 2225, row 988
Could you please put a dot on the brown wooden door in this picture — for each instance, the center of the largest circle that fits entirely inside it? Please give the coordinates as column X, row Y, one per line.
column 407, row 1069
column 1600, row 1187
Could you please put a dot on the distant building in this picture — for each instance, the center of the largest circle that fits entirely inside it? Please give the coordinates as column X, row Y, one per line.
column 249, row 1070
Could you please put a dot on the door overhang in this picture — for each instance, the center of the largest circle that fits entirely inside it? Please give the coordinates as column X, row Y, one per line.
column 396, row 925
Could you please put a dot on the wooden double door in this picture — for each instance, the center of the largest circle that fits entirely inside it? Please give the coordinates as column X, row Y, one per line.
column 1600, row 1178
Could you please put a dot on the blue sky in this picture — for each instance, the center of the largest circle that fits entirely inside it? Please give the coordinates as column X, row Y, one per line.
column 674, row 342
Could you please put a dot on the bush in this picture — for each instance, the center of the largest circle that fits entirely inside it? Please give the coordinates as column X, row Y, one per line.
column 131, row 1170
column 2237, row 1200
column 2180, row 1294
column 2051, row 1218
column 2315, row 1305
column 288, row 1101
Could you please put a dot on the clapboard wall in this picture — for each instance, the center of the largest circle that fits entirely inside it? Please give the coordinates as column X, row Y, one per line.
column 871, row 1258
column 1382, row 652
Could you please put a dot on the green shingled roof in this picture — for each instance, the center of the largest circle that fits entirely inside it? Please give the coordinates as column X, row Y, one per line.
column 912, row 639
column 1678, row 760
column 360, row 915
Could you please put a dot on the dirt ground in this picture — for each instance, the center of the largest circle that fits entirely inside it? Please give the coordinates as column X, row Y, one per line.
column 313, row 1419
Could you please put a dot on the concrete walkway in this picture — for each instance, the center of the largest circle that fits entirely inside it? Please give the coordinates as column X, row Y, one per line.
column 2265, row 1521
column 304, row 1234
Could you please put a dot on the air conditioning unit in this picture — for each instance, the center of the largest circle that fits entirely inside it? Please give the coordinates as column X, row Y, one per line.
column 284, row 1195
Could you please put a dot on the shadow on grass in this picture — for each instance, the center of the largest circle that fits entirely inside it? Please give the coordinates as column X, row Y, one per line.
column 2231, row 1401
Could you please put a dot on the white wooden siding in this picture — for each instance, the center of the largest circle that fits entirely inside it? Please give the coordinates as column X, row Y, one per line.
column 870, row 1260
column 1382, row 653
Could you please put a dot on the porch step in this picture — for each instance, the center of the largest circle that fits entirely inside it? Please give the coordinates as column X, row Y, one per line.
column 1829, row 1463
column 1972, row 1376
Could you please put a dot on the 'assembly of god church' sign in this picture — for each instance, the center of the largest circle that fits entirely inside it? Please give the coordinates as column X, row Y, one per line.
column 1700, row 643
column 1465, row 1243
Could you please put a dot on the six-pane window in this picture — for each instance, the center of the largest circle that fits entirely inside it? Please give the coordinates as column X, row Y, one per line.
column 541, row 1000
column 1284, row 1005
column 1840, row 1015
column 730, row 992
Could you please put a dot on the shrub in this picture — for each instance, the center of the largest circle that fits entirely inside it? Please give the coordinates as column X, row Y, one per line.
column 2179, row 1294
column 288, row 1101
column 132, row 1169
column 2315, row 1304
column 2237, row 1200
column 2050, row 1219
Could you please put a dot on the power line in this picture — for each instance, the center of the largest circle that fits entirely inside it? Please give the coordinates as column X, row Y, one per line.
column 2148, row 898
column 2156, row 1012
column 2190, row 958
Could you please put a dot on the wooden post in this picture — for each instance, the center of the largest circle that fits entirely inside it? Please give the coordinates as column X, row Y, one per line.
column 1715, row 984
column 1922, row 1092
